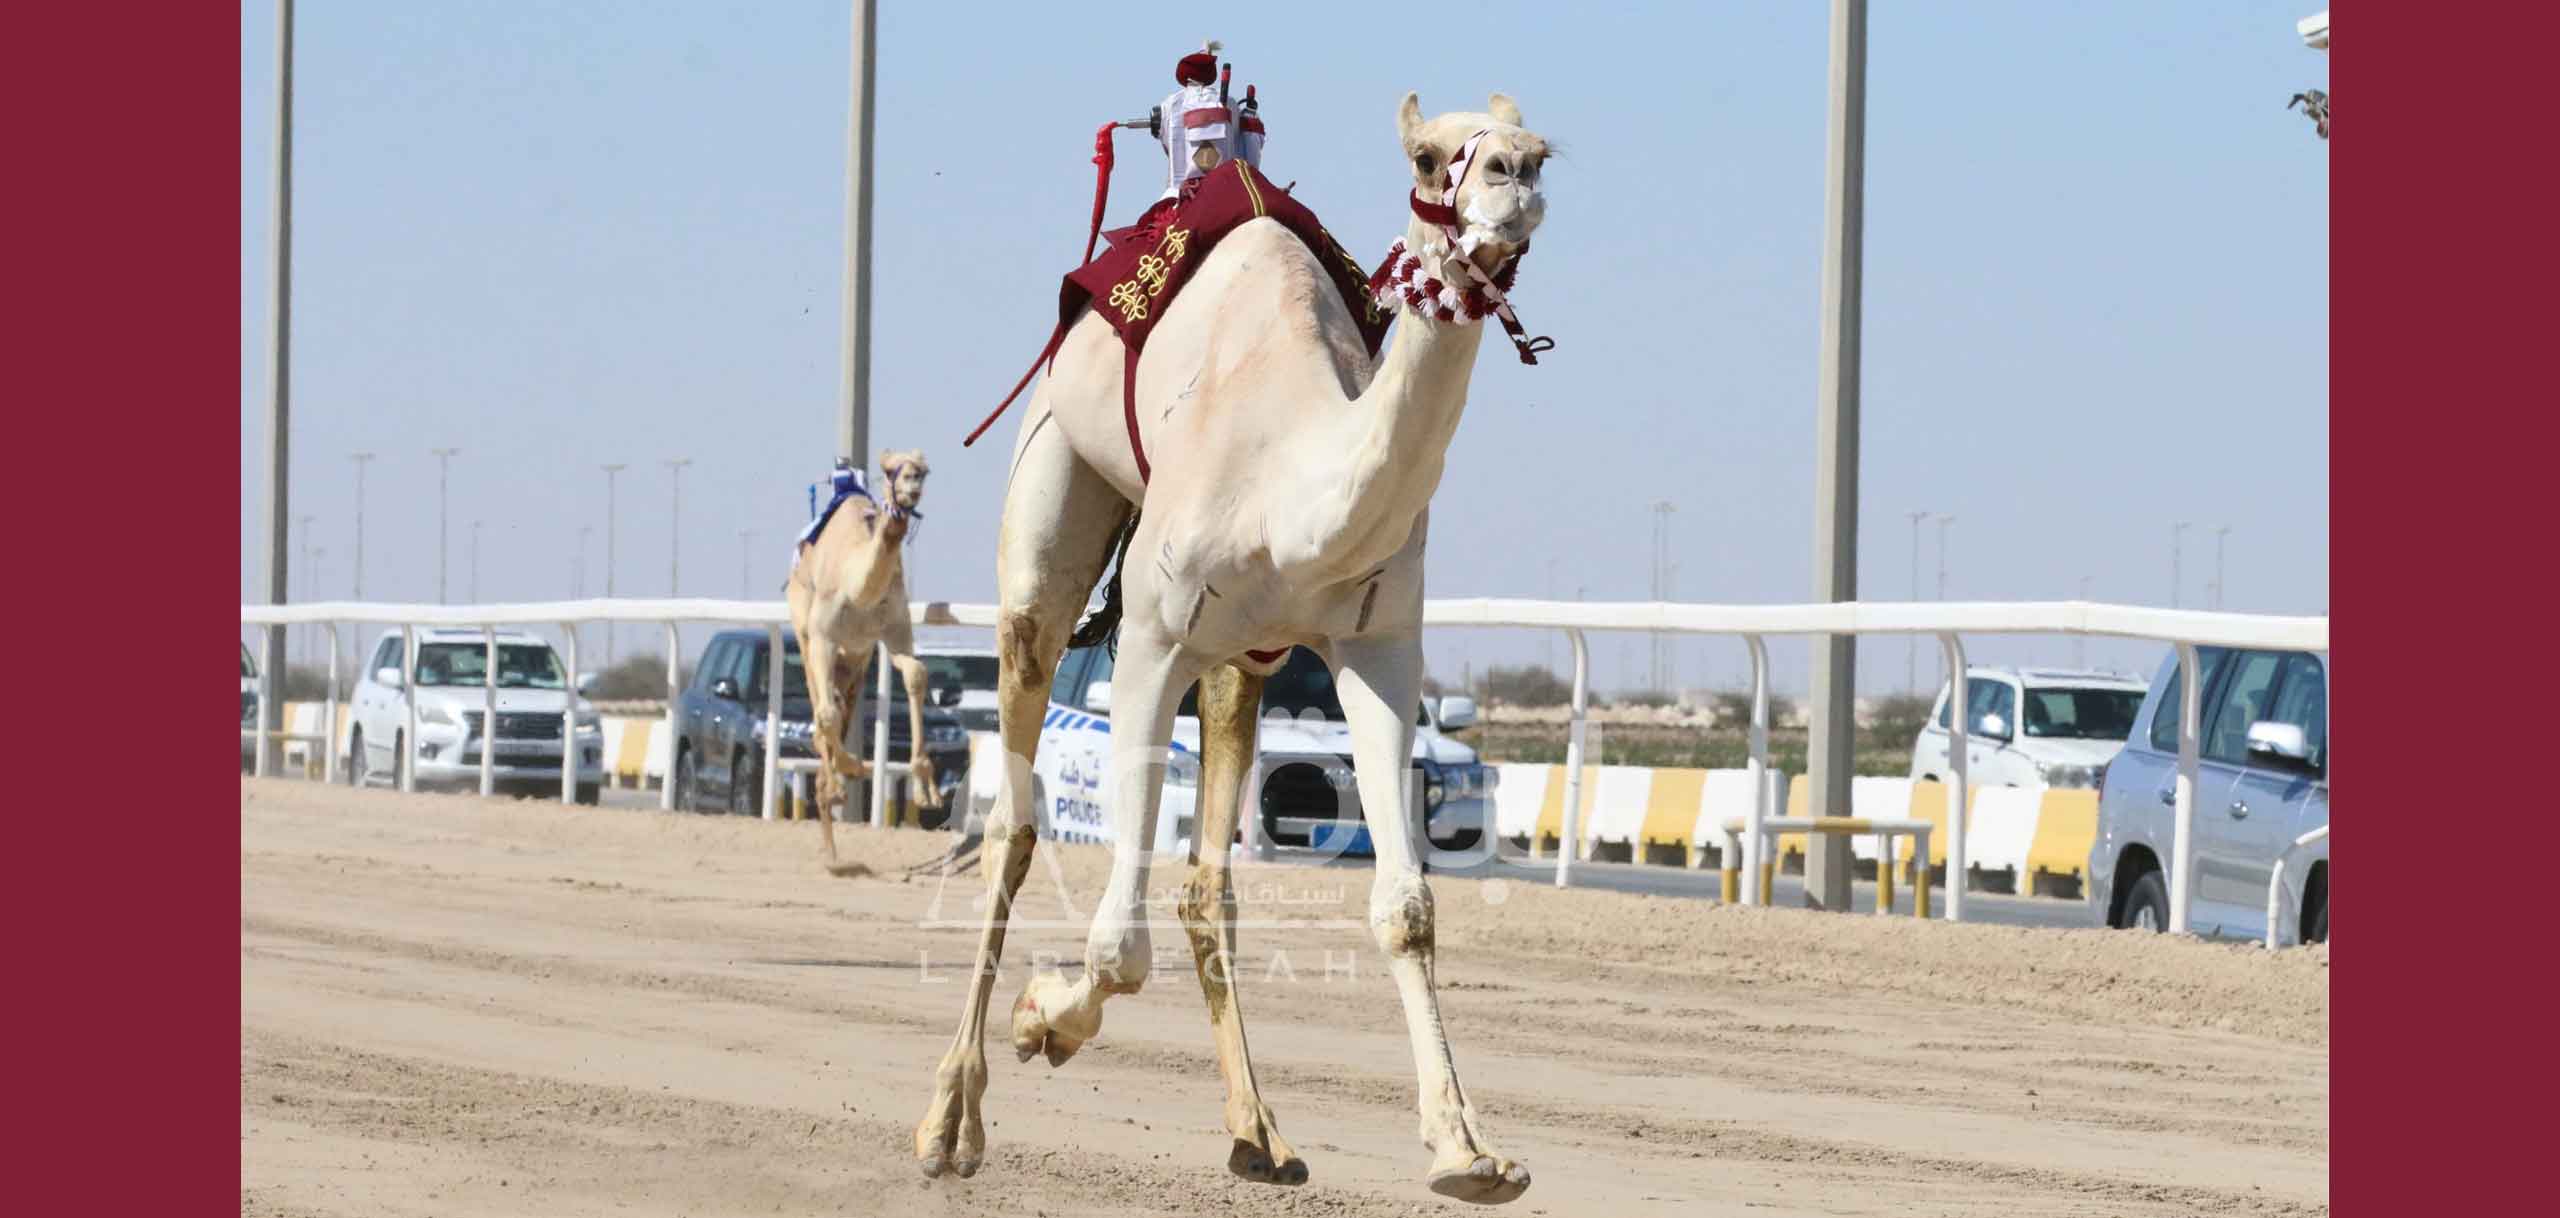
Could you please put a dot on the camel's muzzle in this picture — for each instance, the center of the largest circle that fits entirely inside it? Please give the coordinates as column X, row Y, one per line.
column 1503, row 217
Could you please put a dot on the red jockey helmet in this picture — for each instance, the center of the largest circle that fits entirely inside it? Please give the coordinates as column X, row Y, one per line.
column 1198, row 68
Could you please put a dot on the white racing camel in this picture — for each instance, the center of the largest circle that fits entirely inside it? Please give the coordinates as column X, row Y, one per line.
column 1285, row 482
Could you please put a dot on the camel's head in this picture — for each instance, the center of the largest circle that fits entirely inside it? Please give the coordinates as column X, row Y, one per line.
column 1500, row 200
column 904, row 471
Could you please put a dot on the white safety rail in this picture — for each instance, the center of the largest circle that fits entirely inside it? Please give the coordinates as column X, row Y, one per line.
column 774, row 616
column 1882, row 829
column 2184, row 629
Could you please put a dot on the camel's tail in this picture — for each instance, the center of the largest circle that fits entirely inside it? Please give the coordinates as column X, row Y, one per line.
column 1098, row 625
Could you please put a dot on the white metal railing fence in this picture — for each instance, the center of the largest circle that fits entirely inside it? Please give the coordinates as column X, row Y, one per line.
column 774, row 616
column 2275, row 887
column 2184, row 629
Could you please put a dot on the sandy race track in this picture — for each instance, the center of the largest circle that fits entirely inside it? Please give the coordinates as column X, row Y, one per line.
column 453, row 1006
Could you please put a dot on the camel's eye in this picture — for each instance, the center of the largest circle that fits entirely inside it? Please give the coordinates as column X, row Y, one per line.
column 1426, row 163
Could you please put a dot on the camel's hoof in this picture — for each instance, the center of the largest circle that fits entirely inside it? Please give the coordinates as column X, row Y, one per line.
column 1031, row 1031
column 936, row 1162
column 1487, row 1181
column 950, row 1137
column 850, row 871
column 1254, row 1163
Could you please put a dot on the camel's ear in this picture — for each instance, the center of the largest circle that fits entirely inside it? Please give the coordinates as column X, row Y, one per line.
column 1503, row 109
column 1409, row 118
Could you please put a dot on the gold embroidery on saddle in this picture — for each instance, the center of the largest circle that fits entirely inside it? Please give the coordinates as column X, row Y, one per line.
column 1150, row 277
column 1130, row 300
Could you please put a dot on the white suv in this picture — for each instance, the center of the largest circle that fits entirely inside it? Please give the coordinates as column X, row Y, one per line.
column 1306, row 796
column 2032, row 727
column 452, row 668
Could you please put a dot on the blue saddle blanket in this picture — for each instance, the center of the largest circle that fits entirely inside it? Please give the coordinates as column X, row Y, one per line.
column 844, row 485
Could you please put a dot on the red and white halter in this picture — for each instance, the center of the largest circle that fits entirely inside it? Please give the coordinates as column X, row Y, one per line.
column 1402, row 277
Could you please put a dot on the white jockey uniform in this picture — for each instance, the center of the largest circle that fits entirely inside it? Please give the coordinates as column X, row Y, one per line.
column 1197, row 132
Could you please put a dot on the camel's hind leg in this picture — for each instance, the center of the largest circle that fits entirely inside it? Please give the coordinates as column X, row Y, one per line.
column 1229, row 700
column 1057, row 1016
column 1059, row 522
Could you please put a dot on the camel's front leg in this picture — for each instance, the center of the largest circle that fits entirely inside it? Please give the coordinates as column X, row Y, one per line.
column 827, row 706
column 1056, row 1016
column 920, row 776
column 1380, row 680
column 951, row 1137
column 1229, row 700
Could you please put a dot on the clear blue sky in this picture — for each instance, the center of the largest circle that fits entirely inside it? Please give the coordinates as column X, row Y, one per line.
column 561, row 234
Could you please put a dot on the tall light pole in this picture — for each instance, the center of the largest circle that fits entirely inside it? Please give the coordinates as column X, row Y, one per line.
column 2177, row 559
column 2080, row 642
column 319, row 557
column 310, row 588
column 1829, row 745
column 1550, row 660
column 853, row 424
column 361, row 460
column 610, row 473
column 2220, row 531
column 475, row 561
column 1658, row 665
column 444, row 463
column 1911, row 663
column 1671, row 645
column 743, row 551
column 675, row 522
column 280, row 372
column 1944, row 520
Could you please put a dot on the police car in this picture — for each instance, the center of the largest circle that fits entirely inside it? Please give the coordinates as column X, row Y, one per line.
column 1302, row 781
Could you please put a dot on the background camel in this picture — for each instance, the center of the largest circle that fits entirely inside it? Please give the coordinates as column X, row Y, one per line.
column 1291, row 478
column 848, row 592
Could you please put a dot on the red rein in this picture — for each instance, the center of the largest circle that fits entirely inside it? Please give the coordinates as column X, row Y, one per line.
column 1102, row 162
column 1101, row 184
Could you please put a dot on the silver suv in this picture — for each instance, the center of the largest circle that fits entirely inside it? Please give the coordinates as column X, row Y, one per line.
column 2262, row 780
column 452, row 671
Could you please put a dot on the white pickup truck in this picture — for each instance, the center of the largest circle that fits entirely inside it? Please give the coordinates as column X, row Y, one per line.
column 1303, row 791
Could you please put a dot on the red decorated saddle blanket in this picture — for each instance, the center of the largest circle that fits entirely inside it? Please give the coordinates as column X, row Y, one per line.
column 1133, row 283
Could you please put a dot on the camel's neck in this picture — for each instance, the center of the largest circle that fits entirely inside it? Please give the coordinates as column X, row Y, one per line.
column 1408, row 415
column 1387, row 456
column 878, row 562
